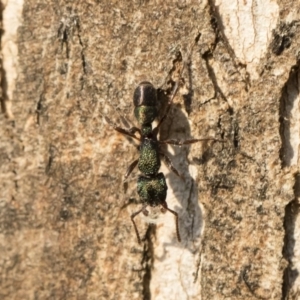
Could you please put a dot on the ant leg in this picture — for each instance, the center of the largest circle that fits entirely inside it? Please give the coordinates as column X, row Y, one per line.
column 130, row 132
column 134, row 129
column 165, row 207
column 130, row 168
column 176, row 86
column 131, row 129
column 143, row 209
column 170, row 165
column 186, row 142
column 174, row 92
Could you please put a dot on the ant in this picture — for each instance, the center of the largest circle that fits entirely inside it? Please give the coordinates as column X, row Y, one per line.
column 151, row 185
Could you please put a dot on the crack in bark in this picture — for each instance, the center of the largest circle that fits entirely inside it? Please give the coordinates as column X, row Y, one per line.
column 288, row 101
column 4, row 96
column 67, row 29
column 148, row 259
column 217, row 26
column 290, row 273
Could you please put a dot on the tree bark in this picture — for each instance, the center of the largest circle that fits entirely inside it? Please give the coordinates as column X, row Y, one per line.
column 65, row 221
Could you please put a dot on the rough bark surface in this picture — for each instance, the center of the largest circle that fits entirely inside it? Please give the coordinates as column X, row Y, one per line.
column 65, row 229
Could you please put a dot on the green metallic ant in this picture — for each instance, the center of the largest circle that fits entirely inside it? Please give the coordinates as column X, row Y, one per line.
column 151, row 185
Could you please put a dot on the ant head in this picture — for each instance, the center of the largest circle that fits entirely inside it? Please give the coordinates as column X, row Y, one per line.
column 145, row 94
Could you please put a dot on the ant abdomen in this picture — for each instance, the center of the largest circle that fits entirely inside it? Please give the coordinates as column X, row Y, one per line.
column 152, row 190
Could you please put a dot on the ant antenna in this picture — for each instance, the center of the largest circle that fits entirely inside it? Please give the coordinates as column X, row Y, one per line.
column 176, row 86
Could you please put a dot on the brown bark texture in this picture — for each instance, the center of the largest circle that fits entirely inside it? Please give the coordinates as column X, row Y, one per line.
column 65, row 228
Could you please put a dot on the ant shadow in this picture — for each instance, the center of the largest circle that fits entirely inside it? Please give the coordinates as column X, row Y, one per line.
column 176, row 126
